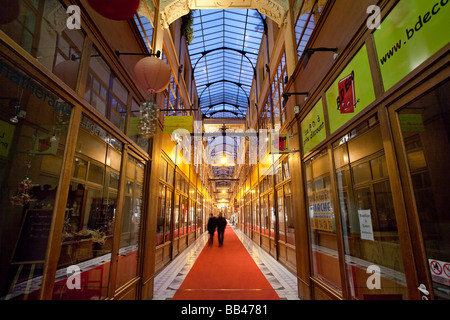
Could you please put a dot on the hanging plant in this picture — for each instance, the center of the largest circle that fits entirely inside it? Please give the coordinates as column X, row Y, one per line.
column 186, row 26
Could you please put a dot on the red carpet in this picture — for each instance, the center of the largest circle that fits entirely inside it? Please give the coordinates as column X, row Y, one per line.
column 225, row 273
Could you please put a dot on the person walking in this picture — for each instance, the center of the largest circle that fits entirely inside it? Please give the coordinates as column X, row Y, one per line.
column 211, row 228
column 221, row 223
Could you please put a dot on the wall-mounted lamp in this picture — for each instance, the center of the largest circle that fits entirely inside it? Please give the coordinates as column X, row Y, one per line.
column 309, row 52
column 288, row 94
column 157, row 54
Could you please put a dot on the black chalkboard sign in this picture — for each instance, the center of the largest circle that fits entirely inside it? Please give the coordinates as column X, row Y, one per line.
column 32, row 244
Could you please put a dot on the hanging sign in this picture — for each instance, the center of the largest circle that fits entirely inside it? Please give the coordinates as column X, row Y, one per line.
column 6, row 136
column 313, row 128
column 279, row 142
column 351, row 92
column 320, row 210
column 172, row 123
column 410, row 34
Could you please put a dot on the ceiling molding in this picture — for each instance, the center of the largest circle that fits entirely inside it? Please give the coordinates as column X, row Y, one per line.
column 171, row 10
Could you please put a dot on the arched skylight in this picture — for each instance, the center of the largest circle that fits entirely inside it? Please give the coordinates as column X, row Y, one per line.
column 223, row 53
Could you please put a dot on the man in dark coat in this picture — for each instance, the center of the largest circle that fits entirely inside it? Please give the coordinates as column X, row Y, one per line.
column 211, row 228
column 221, row 223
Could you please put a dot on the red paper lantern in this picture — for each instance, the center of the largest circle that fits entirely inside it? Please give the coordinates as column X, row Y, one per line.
column 152, row 74
column 115, row 9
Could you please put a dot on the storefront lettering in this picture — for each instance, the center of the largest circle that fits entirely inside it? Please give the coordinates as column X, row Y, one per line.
column 320, row 209
column 26, row 83
column 321, row 195
column 412, row 32
column 94, row 129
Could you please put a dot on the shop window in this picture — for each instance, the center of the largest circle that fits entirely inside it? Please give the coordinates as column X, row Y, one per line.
column 183, row 215
column 285, row 214
column 163, row 170
column 308, row 15
column 425, row 131
column 168, row 218
column 41, row 29
column 325, row 257
column 33, row 133
column 286, row 169
column 90, row 213
column 289, row 214
column 367, row 211
column 264, row 215
column 281, row 218
column 176, row 215
column 256, row 215
column 161, row 214
column 127, row 262
column 170, row 173
column 279, row 173
column 191, row 218
column 278, row 85
column 105, row 92
column 199, row 217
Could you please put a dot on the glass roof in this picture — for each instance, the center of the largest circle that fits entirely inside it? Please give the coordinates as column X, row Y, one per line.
column 223, row 53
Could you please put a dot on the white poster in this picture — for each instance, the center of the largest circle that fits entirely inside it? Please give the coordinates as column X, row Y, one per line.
column 365, row 223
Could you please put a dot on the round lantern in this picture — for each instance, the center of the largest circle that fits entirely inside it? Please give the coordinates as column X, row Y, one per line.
column 115, row 9
column 152, row 74
column 10, row 11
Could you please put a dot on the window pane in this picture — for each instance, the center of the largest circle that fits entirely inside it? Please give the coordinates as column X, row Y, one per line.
column 160, row 216
column 79, row 169
column 95, row 173
column 30, row 168
column 281, row 217
column 168, row 214
column 369, row 223
column 322, row 224
column 361, row 173
column 427, row 145
column 90, row 215
column 127, row 263
column 289, row 214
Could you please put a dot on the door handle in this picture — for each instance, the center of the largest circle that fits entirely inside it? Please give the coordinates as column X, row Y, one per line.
column 422, row 288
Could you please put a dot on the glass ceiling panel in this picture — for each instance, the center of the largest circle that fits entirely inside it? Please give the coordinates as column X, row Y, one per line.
column 223, row 74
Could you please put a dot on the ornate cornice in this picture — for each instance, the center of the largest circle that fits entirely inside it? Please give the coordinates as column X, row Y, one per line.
column 171, row 10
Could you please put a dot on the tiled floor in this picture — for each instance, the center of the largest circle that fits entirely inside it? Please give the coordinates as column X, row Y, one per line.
column 170, row 278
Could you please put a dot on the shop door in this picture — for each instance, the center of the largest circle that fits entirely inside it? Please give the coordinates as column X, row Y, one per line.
column 421, row 129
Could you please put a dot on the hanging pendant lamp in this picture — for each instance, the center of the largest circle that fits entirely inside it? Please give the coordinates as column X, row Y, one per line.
column 152, row 74
column 115, row 9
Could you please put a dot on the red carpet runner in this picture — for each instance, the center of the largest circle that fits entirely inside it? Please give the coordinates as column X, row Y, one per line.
column 225, row 273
